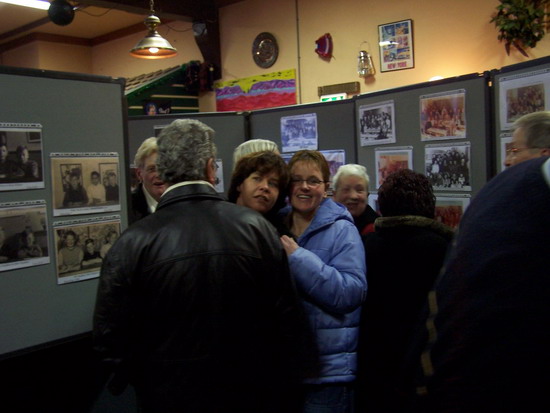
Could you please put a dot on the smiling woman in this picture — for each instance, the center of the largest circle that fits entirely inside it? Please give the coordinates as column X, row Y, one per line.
column 327, row 260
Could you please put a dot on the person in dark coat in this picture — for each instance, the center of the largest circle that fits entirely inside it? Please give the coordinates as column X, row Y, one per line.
column 145, row 197
column 404, row 256
column 486, row 349
column 195, row 306
column 351, row 188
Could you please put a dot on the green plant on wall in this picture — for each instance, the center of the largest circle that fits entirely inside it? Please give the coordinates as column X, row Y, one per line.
column 521, row 23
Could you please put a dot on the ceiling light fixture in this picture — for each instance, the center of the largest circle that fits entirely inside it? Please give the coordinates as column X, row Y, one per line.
column 153, row 45
column 35, row 4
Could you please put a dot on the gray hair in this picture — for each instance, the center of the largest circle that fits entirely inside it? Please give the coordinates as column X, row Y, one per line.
column 350, row 169
column 184, row 148
column 536, row 129
column 251, row 146
column 148, row 147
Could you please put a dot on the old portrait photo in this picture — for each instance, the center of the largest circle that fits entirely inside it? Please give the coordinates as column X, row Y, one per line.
column 389, row 160
column 23, row 235
column 447, row 166
column 81, row 246
column 449, row 209
column 21, row 162
column 84, row 183
column 299, row 132
column 443, row 116
column 376, row 123
column 521, row 94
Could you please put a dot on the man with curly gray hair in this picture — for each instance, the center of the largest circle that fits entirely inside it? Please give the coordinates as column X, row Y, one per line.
column 195, row 306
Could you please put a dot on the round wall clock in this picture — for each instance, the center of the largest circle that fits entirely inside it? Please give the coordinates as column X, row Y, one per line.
column 265, row 50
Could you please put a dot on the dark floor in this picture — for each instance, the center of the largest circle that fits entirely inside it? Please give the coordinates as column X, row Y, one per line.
column 61, row 378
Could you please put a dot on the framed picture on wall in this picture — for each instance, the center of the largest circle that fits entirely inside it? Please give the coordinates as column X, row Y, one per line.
column 81, row 246
column 85, row 183
column 376, row 123
column 396, row 46
column 447, row 166
column 450, row 208
column 521, row 94
column 21, row 156
column 443, row 115
column 389, row 160
column 23, row 235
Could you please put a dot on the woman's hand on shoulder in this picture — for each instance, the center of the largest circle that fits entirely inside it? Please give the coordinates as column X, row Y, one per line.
column 289, row 244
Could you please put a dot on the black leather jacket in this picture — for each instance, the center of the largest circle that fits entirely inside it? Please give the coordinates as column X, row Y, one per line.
column 196, row 305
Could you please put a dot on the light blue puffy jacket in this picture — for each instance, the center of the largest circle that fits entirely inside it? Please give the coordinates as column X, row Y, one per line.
column 330, row 273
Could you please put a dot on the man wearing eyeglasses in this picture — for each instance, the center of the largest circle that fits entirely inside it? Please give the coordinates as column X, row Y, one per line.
column 530, row 139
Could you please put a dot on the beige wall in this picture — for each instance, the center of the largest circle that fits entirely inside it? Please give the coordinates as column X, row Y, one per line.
column 451, row 38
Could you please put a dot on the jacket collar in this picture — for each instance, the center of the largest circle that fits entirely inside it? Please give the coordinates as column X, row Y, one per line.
column 193, row 190
column 413, row 221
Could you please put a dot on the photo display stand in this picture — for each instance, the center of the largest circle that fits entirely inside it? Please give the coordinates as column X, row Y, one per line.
column 444, row 124
column 230, row 127
column 63, row 113
column 327, row 126
column 517, row 90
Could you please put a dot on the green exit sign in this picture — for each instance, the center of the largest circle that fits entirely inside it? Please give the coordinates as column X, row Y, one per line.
column 336, row 96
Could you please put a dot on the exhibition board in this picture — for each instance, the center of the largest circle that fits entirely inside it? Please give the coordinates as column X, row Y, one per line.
column 70, row 125
column 440, row 128
column 230, row 131
column 327, row 126
column 518, row 89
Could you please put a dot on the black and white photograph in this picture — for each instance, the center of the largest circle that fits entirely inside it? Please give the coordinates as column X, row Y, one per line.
column 443, row 115
column 447, row 166
column 377, row 123
column 23, row 235
column 85, row 183
column 299, row 132
column 521, row 94
column 21, row 160
column 335, row 158
column 81, row 246
column 389, row 160
column 450, row 208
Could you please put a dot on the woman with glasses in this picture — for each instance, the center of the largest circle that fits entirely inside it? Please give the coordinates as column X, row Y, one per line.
column 327, row 260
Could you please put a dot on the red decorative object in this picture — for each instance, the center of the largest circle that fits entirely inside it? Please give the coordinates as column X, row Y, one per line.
column 324, row 46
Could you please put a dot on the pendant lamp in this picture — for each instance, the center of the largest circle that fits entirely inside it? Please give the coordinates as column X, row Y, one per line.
column 153, row 45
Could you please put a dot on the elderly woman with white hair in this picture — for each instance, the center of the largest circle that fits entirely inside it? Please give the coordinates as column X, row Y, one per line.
column 351, row 188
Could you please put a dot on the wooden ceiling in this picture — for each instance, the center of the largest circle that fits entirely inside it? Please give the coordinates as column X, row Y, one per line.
column 187, row 10
column 98, row 21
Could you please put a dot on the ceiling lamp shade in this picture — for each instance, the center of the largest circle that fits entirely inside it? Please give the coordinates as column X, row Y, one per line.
column 153, row 45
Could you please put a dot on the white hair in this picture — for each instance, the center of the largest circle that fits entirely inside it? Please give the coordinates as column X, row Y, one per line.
column 350, row 169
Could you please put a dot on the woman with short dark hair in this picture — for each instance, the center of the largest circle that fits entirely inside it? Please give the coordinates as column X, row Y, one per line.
column 260, row 182
column 404, row 255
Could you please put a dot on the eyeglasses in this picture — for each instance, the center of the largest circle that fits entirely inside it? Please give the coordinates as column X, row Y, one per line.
column 513, row 151
column 311, row 182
